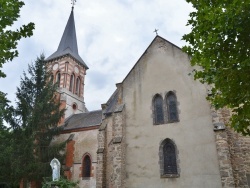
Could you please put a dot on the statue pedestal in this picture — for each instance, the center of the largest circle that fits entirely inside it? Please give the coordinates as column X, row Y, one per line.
column 53, row 185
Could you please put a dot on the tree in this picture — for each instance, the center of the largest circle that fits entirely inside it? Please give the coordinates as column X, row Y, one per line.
column 9, row 13
column 37, row 116
column 219, row 43
column 5, row 146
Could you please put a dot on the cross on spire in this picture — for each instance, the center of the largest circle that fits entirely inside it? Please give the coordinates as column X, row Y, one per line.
column 156, row 31
column 73, row 2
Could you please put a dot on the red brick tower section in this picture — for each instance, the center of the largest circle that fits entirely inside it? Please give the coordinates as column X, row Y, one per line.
column 69, row 74
column 70, row 148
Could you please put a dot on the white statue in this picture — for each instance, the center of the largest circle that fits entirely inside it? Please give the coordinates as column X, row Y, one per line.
column 55, row 165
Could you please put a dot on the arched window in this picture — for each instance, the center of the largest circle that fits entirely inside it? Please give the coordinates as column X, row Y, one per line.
column 77, row 91
column 172, row 107
column 58, row 78
column 86, row 166
column 158, row 110
column 169, row 154
column 168, row 159
column 72, row 81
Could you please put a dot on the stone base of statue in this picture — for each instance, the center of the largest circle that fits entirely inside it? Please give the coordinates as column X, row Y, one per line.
column 53, row 185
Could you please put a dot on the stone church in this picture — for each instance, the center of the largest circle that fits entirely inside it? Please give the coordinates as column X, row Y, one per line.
column 156, row 130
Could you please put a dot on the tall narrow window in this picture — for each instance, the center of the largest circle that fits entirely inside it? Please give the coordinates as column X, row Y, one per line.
column 158, row 110
column 66, row 66
column 168, row 159
column 65, row 80
column 58, row 78
column 86, row 166
column 72, row 81
column 172, row 107
column 77, row 92
column 169, row 154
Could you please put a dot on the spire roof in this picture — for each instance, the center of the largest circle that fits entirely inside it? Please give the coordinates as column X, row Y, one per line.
column 68, row 43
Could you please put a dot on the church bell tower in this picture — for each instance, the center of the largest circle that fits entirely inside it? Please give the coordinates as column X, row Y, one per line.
column 69, row 70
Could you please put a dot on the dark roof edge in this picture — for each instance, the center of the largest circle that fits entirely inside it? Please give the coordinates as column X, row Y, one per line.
column 94, row 111
column 92, row 127
column 68, row 54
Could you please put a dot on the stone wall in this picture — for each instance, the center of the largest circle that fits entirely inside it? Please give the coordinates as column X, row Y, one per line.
column 111, row 152
column 240, row 155
column 233, row 151
column 118, row 171
column 219, row 118
column 111, row 149
column 100, row 171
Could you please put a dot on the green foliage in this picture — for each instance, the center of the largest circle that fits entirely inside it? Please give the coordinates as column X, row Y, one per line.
column 4, row 140
column 219, row 43
column 3, row 107
column 34, row 125
column 9, row 13
column 62, row 183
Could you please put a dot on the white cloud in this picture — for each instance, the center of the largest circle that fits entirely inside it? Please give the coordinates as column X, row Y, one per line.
column 112, row 35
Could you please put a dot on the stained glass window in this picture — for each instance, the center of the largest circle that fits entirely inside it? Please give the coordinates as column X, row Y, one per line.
column 169, row 157
column 158, row 110
column 86, row 167
column 172, row 107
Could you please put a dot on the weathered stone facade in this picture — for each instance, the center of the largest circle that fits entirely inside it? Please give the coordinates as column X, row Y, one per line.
column 126, row 149
column 233, row 151
column 111, row 146
column 240, row 157
column 162, row 68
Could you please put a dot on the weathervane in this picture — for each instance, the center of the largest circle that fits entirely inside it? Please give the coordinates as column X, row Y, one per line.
column 156, row 31
column 73, row 3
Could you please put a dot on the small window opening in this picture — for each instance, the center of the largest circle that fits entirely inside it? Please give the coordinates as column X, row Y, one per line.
column 74, row 106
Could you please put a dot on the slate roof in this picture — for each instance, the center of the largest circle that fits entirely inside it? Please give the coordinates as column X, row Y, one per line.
column 112, row 104
column 83, row 120
column 68, row 43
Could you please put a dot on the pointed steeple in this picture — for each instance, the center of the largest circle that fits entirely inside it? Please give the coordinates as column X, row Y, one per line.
column 68, row 43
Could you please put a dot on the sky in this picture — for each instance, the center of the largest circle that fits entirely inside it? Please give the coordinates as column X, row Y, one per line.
column 111, row 36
